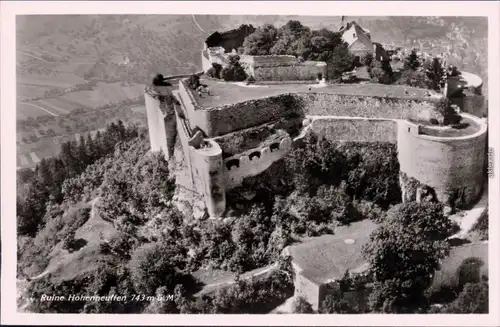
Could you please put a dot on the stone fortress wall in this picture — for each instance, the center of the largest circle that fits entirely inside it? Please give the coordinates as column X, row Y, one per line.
column 282, row 68
column 452, row 166
column 355, row 130
column 254, row 162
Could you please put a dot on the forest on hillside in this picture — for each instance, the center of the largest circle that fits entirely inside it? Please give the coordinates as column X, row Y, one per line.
column 171, row 44
column 132, row 192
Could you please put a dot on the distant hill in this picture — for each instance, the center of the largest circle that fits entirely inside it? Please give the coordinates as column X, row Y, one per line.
column 133, row 47
column 70, row 62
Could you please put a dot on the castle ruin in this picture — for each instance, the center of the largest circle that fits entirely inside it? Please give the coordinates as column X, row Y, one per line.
column 216, row 132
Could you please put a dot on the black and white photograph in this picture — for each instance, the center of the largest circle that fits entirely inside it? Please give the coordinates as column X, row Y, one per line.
column 187, row 164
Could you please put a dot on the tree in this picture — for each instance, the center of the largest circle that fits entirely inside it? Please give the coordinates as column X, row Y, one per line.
column 473, row 299
column 234, row 71
column 367, row 59
column 445, row 108
column 435, row 73
column 404, row 252
column 335, row 303
column 153, row 265
column 381, row 71
column 293, row 39
column 260, row 42
column 300, row 305
column 415, row 78
column 411, row 62
column 341, row 61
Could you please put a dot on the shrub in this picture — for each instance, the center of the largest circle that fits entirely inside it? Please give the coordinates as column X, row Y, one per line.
column 473, row 299
column 153, row 265
column 300, row 305
column 448, row 112
column 367, row 59
column 234, row 71
column 415, row 78
column 381, row 72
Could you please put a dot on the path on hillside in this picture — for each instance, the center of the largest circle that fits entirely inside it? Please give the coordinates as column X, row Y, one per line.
column 34, row 105
column 32, row 56
column 194, row 20
column 467, row 221
column 22, row 283
column 244, row 276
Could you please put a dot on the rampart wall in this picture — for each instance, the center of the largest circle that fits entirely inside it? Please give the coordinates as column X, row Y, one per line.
column 366, row 106
column 203, row 159
column 207, row 164
column 196, row 117
column 473, row 104
column 193, row 182
column 289, row 73
column 206, row 64
column 455, row 269
column 453, row 167
column 355, row 130
column 282, row 68
column 224, row 119
column 254, row 162
column 161, row 124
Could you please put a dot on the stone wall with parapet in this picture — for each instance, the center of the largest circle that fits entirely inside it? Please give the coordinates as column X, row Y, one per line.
column 207, row 164
column 325, row 104
column 289, row 73
column 452, row 166
column 228, row 118
column 220, row 120
column 473, row 104
column 354, row 130
column 204, row 171
column 161, row 107
column 254, row 162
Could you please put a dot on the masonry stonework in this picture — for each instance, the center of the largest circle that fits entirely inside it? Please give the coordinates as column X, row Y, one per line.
column 161, row 123
column 451, row 167
column 355, row 130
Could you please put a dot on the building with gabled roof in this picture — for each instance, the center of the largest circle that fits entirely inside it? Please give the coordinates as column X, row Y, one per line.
column 357, row 38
